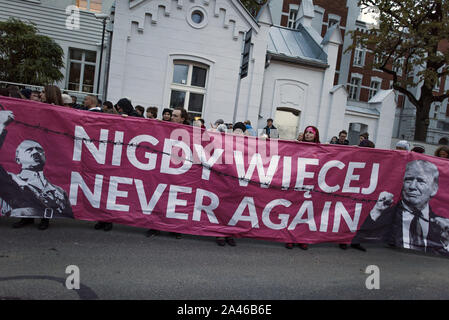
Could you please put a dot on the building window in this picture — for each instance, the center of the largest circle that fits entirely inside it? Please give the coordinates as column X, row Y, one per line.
column 89, row 5
column 436, row 110
column 332, row 22
column 377, row 61
column 397, row 66
column 82, row 65
column 436, row 87
column 197, row 17
column 332, row 19
column 374, row 88
column 293, row 13
column 354, row 88
column 359, row 56
column 188, row 87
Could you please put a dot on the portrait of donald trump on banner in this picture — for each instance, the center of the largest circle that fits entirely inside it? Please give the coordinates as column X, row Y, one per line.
column 410, row 223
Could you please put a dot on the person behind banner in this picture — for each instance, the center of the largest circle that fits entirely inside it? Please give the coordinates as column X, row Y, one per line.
column 179, row 115
column 29, row 194
column 442, row 152
column 270, row 130
column 403, row 145
column 239, row 128
column 152, row 112
column 356, row 245
column 108, row 107
column 140, row 111
column 125, row 108
column 35, row 96
column 91, row 103
column 411, row 223
column 166, row 114
column 342, row 138
column 52, row 95
column 311, row 134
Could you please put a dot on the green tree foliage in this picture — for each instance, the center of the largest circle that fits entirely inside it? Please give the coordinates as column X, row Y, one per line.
column 27, row 57
column 253, row 6
column 408, row 41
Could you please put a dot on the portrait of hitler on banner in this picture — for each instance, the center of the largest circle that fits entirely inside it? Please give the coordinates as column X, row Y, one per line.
column 410, row 223
column 29, row 193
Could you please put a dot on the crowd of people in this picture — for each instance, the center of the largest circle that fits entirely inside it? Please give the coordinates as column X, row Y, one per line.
column 52, row 95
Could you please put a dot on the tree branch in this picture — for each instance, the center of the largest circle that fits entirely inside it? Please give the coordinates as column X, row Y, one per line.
column 440, row 98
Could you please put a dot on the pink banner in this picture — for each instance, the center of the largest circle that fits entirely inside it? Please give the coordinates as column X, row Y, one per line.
column 60, row 162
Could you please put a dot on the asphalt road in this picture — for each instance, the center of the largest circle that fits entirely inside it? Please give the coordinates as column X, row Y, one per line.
column 124, row 264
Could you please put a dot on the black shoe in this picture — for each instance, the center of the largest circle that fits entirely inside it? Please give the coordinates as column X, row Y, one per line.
column 343, row 246
column 176, row 235
column 358, row 246
column 289, row 245
column 231, row 241
column 220, row 241
column 107, row 226
column 152, row 233
column 304, row 246
column 99, row 225
column 23, row 222
column 43, row 225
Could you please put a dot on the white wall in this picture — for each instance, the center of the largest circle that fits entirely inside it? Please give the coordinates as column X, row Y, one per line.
column 50, row 17
column 292, row 86
column 142, row 60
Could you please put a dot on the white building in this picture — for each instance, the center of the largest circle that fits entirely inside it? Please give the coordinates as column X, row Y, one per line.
column 171, row 53
column 80, row 38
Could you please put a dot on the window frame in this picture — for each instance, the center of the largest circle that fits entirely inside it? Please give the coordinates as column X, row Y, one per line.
column 88, row 6
column 291, row 23
column 373, row 91
column 359, row 49
column 397, row 69
column 188, row 88
column 357, row 87
column 83, row 63
column 333, row 18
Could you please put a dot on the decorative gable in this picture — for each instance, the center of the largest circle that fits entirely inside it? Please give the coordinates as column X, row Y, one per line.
column 233, row 16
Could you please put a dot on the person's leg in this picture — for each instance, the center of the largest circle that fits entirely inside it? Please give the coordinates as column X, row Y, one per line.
column 43, row 225
column 220, row 241
column 176, row 235
column 289, row 245
column 358, row 246
column 231, row 241
column 152, row 233
column 107, row 226
column 99, row 225
column 23, row 222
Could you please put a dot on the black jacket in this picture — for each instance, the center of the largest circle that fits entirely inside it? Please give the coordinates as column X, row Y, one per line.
column 388, row 228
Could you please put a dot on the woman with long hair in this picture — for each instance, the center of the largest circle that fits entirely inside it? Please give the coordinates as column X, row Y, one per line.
column 52, row 95
column 311, row 134
column 442, row 152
